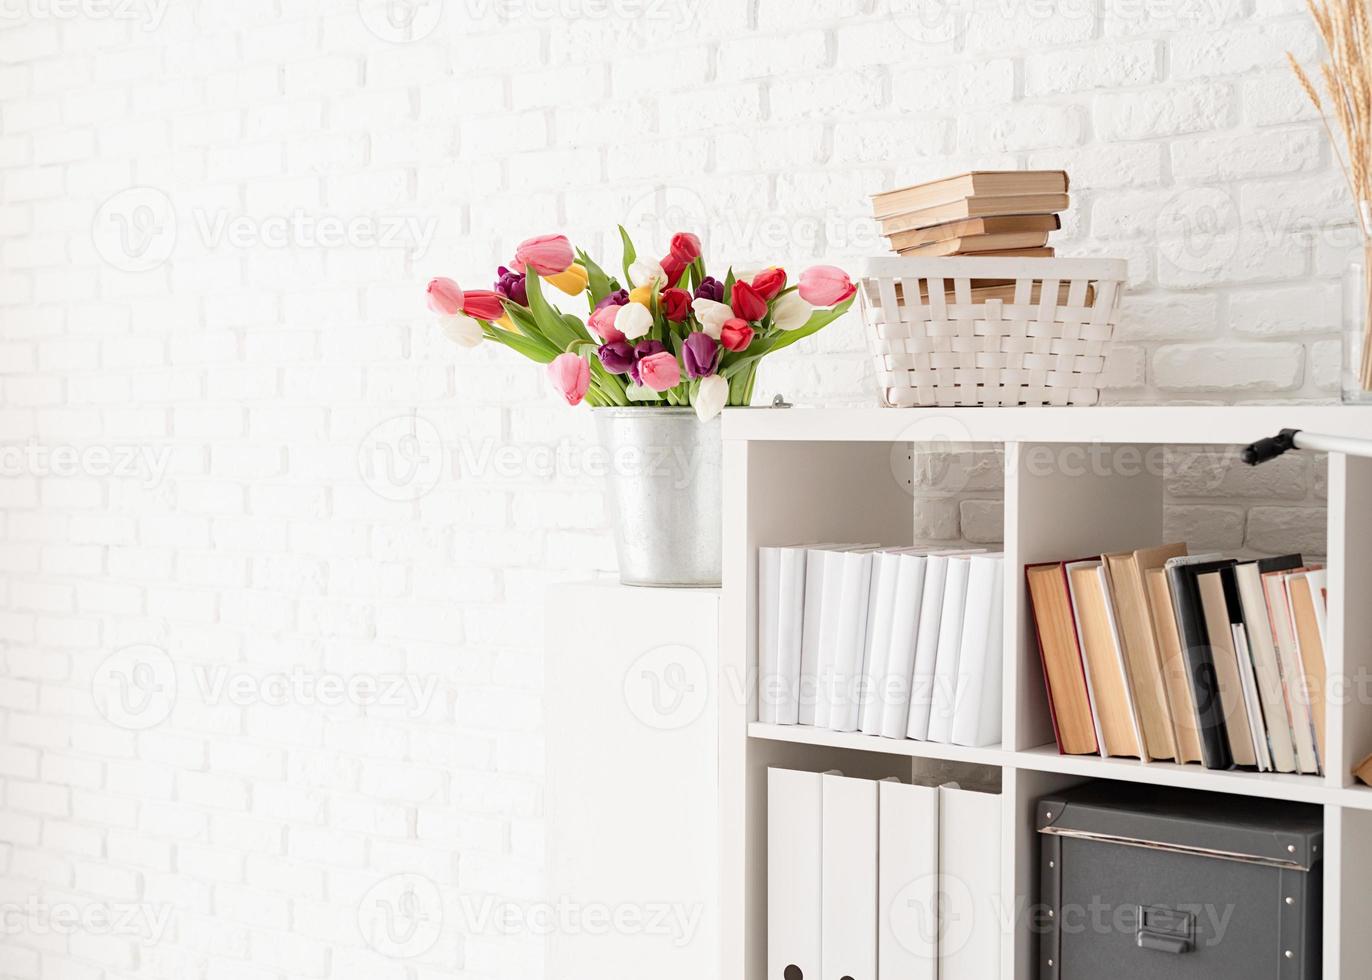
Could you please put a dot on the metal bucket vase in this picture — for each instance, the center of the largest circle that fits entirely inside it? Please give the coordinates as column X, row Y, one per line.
column 666, row 490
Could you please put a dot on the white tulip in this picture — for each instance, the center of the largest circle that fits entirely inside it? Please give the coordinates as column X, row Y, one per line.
column 712, row 316
column 634, row 320
column 645, row 272
column 461, row 330
column 711, row 397
column 791, row 312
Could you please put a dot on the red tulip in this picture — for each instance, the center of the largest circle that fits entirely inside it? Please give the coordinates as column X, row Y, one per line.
column 676, row 304
column 483, row 305
column 736, row 335
column 546, row 254
column 769, row 282
column 445, row 297
column 746, row 302
column 686, row 247
column 825, row 285
column 673, row 267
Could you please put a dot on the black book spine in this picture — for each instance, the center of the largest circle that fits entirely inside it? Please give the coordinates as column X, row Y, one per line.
column 1200, row 668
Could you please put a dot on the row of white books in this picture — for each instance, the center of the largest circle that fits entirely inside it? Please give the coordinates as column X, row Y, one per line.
column 881, row 879
column 896, row 642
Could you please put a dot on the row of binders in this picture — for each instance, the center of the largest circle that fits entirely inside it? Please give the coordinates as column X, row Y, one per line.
column 894, row 642
column 881, row 879
column 1157, row 654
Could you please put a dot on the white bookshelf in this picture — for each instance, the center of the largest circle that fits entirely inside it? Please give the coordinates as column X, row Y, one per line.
column 794, row 475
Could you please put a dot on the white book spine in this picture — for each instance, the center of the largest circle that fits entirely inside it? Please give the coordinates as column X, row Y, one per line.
column 969, row 868
column 949, row 648
column 768, row 599
column 852, row 640
column 900, row 664
column 1262, row 647
column 872, row 693
column 790, row 623
column 1288, row 658
column 977, row 711
column 830, row 638
column 795, row 840
column 1257, row 727
column 848, row 892
column 907, row 882
column 926, row 647
column 811, row 632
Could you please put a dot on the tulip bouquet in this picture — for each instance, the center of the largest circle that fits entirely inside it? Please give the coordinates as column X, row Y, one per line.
column 666, row 334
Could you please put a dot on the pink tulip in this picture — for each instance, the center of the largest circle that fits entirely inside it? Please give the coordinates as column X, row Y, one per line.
column 483, row 305
column 571, row 376
column 660, row 371
column 546, row 254
column 602, row 324
column 825, row 285
column 445, row 297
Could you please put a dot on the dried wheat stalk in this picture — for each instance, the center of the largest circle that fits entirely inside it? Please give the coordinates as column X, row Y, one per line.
column 1344, row 26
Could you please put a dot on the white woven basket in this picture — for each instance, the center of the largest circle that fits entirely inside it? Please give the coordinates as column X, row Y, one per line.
column 1045, row 343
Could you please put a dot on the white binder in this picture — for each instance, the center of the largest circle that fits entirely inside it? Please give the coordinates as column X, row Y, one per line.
column 907, row 882
column 977, row 711
column 949, row 649
column 849, row 886
column 969, row 872
column 795, row 807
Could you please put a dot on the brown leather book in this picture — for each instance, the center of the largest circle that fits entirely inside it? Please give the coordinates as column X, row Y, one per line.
column 1010, row 224
column 990, row 183
column 1069, row 701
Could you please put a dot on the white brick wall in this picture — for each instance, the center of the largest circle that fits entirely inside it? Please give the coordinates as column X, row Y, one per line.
column 235, row 443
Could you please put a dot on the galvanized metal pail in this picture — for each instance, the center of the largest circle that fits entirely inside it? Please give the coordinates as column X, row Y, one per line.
column 666, row 490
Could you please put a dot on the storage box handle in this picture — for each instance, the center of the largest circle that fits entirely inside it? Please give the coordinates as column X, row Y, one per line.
column 1165, row 930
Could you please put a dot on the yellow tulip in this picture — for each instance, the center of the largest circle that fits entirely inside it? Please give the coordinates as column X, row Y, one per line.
column 505, row 323
column 573, row 281
column 643, row 294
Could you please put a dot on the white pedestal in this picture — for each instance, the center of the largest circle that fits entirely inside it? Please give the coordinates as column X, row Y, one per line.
column 632, row 783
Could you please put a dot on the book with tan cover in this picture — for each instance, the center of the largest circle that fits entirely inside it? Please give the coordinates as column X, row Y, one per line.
column 1274, row 586
column 1110, row 695
column 1219, row 628
column 1303, row 588
column 990, row 183
column 1069, row 700
column 1010, row 224
column 975, row 207
column 1186, row 725
column 1140, row 644
column 978, row 244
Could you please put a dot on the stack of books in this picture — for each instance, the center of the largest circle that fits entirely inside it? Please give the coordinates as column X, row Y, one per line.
column 1157, row 654
column 985, row 212
column 895, row 642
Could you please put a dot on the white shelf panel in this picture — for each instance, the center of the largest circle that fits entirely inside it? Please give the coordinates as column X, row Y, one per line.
column 805, row 735
column 1199, row 424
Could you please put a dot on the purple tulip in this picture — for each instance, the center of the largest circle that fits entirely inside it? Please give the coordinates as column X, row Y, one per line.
column 710, row 288
column 700, row 353
column 618, row 358
column 644, row 348
column 511, row 285
column 618, row 298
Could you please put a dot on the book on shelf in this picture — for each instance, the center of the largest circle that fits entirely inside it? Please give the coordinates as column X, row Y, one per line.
column 976, row 229
column 860, row 638
column 976, row 183
column 975, row 244
column 974, row 207
column 1161, row 655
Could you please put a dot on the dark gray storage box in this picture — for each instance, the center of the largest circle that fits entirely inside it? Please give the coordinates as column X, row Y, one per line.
column 1147, row 883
